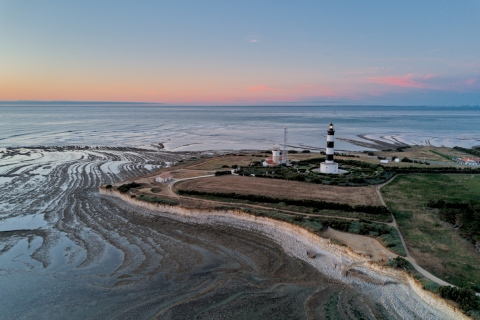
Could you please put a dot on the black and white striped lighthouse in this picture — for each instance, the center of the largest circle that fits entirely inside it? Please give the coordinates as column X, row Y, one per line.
column 329, row 151
column 329, row 166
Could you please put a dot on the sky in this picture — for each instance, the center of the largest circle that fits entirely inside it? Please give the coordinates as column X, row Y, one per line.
column 206, row 52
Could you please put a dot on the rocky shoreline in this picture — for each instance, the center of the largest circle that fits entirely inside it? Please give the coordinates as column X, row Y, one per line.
column 394, row 289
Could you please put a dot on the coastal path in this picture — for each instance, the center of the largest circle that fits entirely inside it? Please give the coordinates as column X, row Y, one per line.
column 409, row 257
column 394, row 224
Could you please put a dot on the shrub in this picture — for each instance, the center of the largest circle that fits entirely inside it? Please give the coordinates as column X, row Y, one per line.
column 157, row 200
column 108, row 186
column 222, row 173
column 400, row 263
column 466, row 298
column 127, row 186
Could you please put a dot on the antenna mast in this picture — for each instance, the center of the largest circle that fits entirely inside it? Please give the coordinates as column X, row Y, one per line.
column 284, row 155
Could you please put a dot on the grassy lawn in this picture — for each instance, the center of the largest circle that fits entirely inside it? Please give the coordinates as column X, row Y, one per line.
column 435, row 244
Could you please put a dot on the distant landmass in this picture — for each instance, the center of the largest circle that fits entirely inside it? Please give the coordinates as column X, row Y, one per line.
column 75, row 103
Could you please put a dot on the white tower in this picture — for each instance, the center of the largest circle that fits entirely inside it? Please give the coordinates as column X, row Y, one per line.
column 285, row 152
column 329, row 166
column 276, row 158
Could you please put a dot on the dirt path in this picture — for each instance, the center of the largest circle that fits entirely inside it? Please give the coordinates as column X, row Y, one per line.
column 366, row 246
column 409, row 257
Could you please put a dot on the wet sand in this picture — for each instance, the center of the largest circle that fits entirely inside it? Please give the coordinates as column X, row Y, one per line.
column 70, row 253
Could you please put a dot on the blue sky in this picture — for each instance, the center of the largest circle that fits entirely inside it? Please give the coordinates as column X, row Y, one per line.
column 242, row 52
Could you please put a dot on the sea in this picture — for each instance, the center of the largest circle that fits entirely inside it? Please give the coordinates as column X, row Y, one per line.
column 184, row 128
column 68, row 253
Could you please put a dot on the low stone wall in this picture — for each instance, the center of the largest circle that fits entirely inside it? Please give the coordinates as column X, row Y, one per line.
column 333, row 260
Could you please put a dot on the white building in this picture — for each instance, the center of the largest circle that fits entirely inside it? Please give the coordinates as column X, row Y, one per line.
column 164, row 177
column 470, row 161
column 275, row 159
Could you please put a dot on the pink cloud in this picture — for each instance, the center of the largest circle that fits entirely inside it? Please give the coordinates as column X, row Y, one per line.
column 401, row 81
column 471, row 81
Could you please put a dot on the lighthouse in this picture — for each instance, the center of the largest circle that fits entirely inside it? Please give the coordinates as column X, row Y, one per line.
column 329, row 166
column 276, row 157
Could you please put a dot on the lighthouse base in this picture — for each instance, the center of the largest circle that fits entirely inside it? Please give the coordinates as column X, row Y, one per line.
column 329, row 167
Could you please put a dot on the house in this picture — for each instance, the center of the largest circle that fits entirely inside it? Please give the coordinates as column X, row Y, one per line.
column 470, row 161
column 164, row 177
column 384, row 161
column 269, row 162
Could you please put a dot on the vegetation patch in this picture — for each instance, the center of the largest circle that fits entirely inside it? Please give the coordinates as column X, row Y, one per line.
column 222, row 173
column 400, row 263
column 436, row 245
column 473, row 151
column 466, row 298
column 158, row 200
column 317, row 204
column 387, row 235
column 359, row 173
column 442, row 155
column 464, row 216
column 124, row 188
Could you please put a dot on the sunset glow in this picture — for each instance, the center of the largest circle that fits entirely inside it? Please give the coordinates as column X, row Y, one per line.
column 218, row 52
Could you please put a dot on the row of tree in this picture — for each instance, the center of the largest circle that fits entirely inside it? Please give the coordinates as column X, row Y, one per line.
column 317, row 204
column 473, row 151
column 459, row 170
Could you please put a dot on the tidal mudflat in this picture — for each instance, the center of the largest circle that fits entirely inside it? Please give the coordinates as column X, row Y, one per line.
column 67, row 252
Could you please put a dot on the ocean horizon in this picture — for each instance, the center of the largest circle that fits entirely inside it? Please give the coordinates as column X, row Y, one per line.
column 200, row 128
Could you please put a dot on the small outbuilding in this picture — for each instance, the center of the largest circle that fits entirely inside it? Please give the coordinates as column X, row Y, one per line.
column 164, row 177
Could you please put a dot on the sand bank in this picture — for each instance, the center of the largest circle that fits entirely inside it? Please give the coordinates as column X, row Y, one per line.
column 394, row 289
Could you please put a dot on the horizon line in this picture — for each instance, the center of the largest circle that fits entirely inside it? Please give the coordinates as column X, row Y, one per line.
column 273, row 104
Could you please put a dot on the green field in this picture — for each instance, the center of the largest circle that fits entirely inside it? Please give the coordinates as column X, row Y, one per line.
column 435, row 244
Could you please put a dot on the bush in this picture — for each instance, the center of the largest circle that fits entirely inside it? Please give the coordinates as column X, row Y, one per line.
column 400, row 263
column 127, row 186
column 431, row 286
column 108, row 186
column 466, row 298
column 222, row 173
